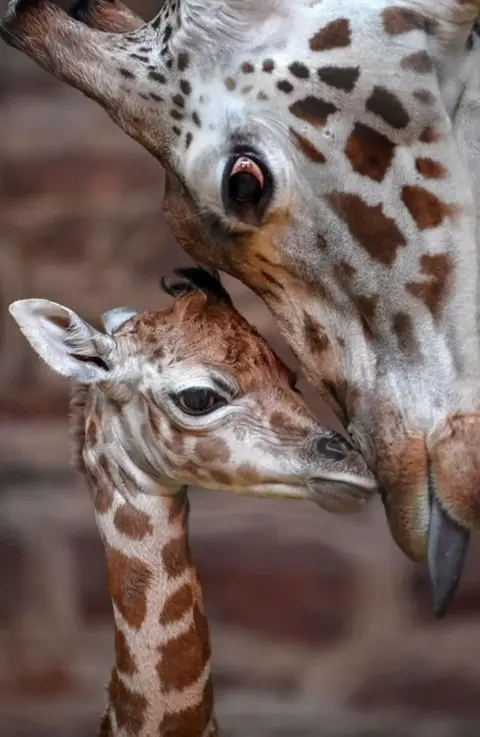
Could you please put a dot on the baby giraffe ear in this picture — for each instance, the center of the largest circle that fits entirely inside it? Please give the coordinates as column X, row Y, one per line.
column 68, row 344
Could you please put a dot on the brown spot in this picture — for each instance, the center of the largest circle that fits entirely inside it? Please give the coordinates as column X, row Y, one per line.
column 307, row 148
column 370, row 153
column 176, row 114
column 315, row 334
column 140, row 57
column 221, row 477
column 124, row 658
column 248, row 473
column 132, row 522
column 398, row 20
column 262, row 96
column 183, row 61
column 321, row 242
column 196, row 119
column 299, row 70
column 92, row 431
column 128, row 579
column 430, row 169
column 177, row 605
column 176, row 130
column 388, row 107
column 367, row 306
column 285, row 86
column 176, row 556
column 340, row 341
column 155, row 97
column 103, row 485
column 178, row 100
column 271, row 280
column 188, row 139
column 437, row 268
column 210, row 449
column 425, row 97
column 247, row 68
column 313, row 110
column 247, row 89
column 344, row 270
column 426, row 208
column 335, row 35
column 129, row 706
column 281, row 423
column 230, row 83
column 429, row 135
column 268, row 66
column 157, row 77
column 419, row 62
column 377, row 233
column 343, row 78
column 192, row 720
column 126, row 73
column 185, row 86
column 402, row 326
column 182, row 660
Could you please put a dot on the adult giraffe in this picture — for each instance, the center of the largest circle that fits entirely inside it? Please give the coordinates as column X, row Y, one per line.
column 311, row 151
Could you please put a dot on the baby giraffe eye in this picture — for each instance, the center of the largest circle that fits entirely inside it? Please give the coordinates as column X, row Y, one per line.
column 199, row 401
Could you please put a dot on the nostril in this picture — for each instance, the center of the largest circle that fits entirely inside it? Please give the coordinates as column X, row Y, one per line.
column 333, row 446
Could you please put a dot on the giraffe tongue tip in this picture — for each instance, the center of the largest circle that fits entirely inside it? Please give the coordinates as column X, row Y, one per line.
column 447, row 549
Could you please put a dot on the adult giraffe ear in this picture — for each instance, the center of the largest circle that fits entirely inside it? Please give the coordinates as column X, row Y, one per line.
column 68, row 344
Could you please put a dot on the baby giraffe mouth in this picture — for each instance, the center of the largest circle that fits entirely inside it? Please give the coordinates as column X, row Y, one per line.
column 447, row 549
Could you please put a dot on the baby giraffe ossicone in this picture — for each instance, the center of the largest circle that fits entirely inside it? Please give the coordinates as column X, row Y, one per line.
column 163, row 399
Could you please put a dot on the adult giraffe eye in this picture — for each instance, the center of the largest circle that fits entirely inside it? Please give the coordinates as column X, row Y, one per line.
column 246, row 182
column 199, row 401
column 247, row 187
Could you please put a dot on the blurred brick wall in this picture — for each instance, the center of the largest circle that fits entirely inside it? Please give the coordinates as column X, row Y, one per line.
column 319, row 625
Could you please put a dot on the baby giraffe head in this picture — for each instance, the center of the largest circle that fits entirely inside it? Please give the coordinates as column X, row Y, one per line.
column 194, row 395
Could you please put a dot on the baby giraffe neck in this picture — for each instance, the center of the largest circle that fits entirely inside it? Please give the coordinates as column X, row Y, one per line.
column 161, row 683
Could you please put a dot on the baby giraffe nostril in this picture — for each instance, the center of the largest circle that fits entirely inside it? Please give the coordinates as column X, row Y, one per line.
column 333, row 446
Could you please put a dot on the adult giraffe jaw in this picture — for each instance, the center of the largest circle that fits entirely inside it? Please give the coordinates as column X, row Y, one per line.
column 366, row 277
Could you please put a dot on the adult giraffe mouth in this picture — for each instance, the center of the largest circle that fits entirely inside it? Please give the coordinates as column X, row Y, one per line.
column 446, row 553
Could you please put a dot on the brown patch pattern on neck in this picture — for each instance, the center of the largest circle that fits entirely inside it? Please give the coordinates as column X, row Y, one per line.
column 438, row 269
column 124, row 658
column 193, row 720
column 129, row 580
column 178, row 605
column 132, row 522
column 176, row 556
column 130, row 707
column 182, row 660
column 426, row 208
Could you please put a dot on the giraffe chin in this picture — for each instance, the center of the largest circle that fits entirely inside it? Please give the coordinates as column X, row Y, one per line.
column 447, row 549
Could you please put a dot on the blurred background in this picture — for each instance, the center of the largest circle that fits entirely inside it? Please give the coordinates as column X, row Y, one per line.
column 320, row 626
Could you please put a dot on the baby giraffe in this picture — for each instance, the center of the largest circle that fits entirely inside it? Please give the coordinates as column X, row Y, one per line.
column 187, row 395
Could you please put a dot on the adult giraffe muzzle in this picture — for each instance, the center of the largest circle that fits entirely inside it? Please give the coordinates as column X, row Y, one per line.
column 326, row 155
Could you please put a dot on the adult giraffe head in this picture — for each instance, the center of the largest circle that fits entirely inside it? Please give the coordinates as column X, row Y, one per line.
column 310, row 151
